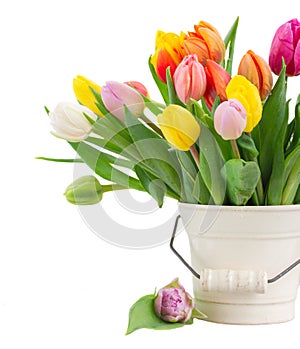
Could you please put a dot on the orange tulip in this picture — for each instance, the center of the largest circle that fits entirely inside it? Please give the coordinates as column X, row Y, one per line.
column 217, row 80
column 257, row 70
column 206, row 43
column 169, row 52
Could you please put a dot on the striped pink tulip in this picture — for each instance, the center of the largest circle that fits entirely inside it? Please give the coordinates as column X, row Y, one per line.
column 190, row 79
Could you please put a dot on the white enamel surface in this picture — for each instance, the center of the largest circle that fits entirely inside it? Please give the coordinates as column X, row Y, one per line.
column 248, row 241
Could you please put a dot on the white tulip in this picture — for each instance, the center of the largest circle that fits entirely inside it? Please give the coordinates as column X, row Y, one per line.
column 68, row 121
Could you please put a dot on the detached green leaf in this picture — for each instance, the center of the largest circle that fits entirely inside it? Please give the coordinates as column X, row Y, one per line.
column 241, row 179
column 142, row 315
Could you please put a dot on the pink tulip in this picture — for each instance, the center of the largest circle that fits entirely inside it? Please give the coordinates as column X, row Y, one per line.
column 230, row 119
column 190, row 79
column 116, row 95
column 286, row 44
column 173, row 303
column 138, row 86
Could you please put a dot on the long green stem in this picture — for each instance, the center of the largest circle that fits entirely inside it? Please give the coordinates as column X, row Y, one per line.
column 112, row 187
column 152, row 125
column 259, row 188
column 235, row 149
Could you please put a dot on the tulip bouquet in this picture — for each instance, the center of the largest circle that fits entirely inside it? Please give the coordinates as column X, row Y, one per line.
column 217, row 138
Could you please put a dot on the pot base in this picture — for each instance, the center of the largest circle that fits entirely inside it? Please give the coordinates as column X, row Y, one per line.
column 247, row 314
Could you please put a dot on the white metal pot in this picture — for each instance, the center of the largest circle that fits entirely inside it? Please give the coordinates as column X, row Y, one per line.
column 238, row 255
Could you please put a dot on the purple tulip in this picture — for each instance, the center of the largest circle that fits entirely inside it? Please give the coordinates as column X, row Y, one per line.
column 190, row 79
column 173, row 303
column 286, row 44
column 115, row 95
column 230, row 119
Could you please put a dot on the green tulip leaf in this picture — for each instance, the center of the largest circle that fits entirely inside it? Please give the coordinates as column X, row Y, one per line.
column 211, row 163
column 154, row 186
column 154, row 153
column 247, row 146
column 102, row 164
column 173, row 98
column 271, row 144
column 142, row 315
column 230, row 41
column 189, row 173
column 200, row 191
column 291, row 177
column 163, row 88
column 295, row 136
column 241, row 180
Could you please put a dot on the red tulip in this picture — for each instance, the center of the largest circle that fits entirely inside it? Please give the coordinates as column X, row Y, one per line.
column 217, row 80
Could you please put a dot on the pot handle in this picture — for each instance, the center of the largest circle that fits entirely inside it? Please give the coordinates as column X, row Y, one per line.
column 226, row 280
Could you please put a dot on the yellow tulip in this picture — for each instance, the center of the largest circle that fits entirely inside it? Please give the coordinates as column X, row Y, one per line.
column 179, row 127
column 169, row 52
column 245, row 92
column 83, row 93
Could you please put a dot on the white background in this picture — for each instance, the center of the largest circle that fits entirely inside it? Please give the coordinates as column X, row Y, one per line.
column 60, row 285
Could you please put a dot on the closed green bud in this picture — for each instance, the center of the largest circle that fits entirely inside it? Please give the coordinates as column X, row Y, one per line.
column 84, row 191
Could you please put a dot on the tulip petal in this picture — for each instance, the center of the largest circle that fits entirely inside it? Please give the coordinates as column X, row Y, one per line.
column 244, row 91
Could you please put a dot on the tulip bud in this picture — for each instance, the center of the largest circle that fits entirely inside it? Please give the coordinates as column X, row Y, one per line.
column 257, row 70
column 138, row 86
column 70, row 123
column 85, row 190
column 169, row 52
column 286, row 44
column 179, row 127
column 230, row 119
column 116, row 95
column 82, row 89
column 217, row 80
column 247, row 94
column 206, row 43
column 173, row 303
column 190, row 79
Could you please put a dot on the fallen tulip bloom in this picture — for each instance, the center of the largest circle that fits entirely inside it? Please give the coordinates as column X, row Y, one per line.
column 173, row 303
column 230, row 119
